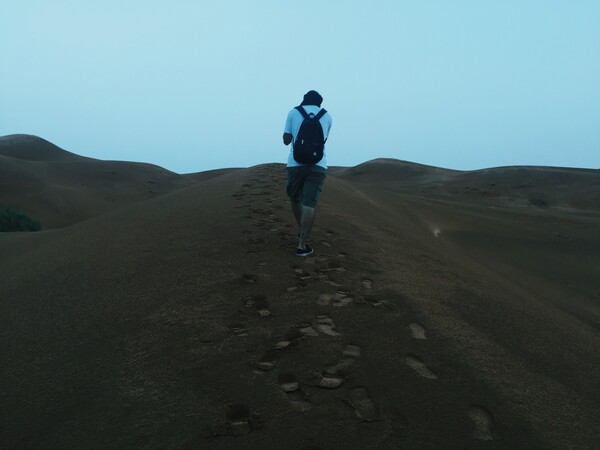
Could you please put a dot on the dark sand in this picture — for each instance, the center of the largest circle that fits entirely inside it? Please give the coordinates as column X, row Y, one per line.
column 442, row 309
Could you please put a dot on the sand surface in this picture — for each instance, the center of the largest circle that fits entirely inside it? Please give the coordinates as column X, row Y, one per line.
column 442, row 309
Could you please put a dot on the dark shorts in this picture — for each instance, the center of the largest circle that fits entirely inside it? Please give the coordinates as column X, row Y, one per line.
column 305, row 183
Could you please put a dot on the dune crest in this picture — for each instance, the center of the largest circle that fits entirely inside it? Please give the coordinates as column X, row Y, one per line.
column 60, row 188
column 33, row 148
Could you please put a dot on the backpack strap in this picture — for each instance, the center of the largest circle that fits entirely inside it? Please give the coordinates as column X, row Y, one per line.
column 302, row 111
column 321, row 114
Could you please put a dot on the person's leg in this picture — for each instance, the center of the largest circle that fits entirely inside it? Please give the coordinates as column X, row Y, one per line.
column 297, row 210
column 306, row 223
column 294, row 191
column 311, row 191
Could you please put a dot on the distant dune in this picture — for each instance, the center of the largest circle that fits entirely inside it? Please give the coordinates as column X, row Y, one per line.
column 558, row 187
column 60, row 188
column 442, row 309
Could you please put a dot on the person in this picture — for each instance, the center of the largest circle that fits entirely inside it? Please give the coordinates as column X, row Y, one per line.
column 305, row 181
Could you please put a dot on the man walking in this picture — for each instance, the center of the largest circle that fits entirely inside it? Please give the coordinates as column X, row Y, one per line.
column 307, row 126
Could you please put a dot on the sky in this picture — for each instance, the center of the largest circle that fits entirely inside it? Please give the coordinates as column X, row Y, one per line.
column 199, row 85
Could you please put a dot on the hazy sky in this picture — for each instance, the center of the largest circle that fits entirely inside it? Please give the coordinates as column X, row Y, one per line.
column 197, row 85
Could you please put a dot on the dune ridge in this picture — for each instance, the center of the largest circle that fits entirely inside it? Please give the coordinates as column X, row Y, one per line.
column 426, row 319
column 60, row 188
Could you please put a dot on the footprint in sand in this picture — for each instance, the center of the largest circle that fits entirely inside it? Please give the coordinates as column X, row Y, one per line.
column 306, row 329
column 333, row 376
column 339, row 369
column 256, row 241
column 374, row 302
column 289, row 384
column 339, row 299
column 290, row 338
column 326, row 244
column 366, row 283
column 325, row 325
column 267, row 361
column 238, row 419
column 249, row 278
column 419, row 366
column 329, row 381
column 483, row 422
column 301, row 284
column 309, row 331
column 351, row 350
column 238, row 329
column 324, row 299
column 342, row 297
column 301, row 273
column 331, row 267
column 259, row 303
column 417, row 331
column 363, row 406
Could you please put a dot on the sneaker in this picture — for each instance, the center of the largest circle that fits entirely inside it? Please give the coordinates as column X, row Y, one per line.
column 307, row 251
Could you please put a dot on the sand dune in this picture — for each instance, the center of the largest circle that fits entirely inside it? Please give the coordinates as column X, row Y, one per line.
column 429, row 317
column 59, row 188
column 522, row 186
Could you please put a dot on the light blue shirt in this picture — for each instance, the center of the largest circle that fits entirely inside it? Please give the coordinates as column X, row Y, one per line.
column 292, row 126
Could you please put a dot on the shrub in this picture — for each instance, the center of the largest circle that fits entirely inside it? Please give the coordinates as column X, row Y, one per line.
column 14, row 220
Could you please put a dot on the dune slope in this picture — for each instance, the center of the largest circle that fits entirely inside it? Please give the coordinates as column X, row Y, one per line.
column 422, row 321
column 60, row 188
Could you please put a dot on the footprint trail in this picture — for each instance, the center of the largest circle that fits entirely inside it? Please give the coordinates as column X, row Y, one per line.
column 419, row 366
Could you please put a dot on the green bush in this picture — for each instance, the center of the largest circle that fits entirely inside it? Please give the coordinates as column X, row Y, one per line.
column 13, row 220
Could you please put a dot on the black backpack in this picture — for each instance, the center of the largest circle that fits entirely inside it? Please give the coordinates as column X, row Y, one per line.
column 310, row 142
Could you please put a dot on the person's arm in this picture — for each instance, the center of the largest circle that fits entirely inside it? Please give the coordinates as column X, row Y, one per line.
column 287, row 130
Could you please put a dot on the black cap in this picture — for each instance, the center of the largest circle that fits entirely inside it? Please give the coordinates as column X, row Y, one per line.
column 312, row 98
